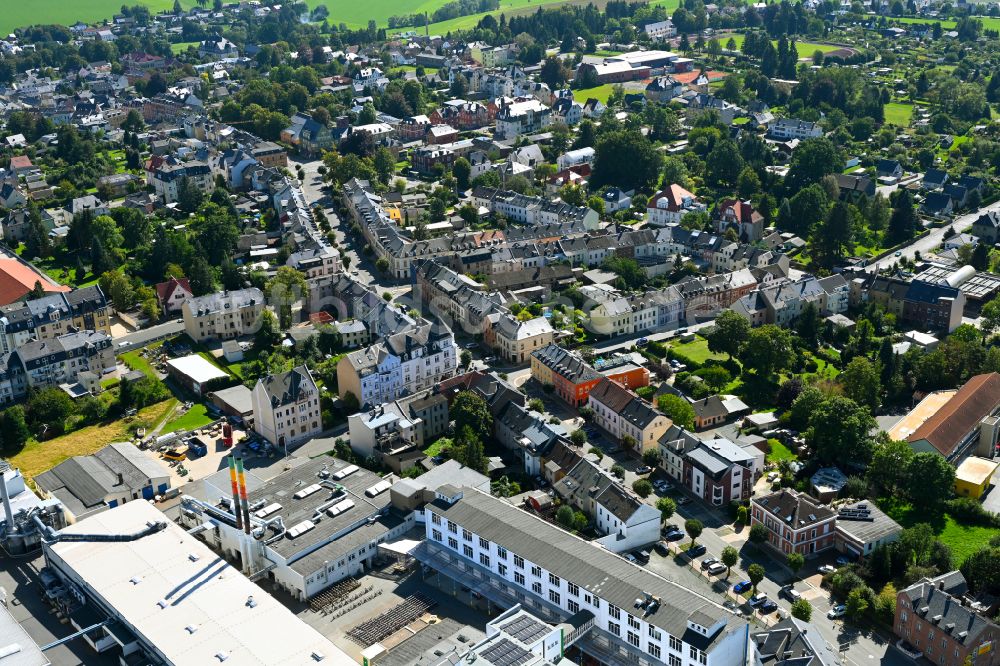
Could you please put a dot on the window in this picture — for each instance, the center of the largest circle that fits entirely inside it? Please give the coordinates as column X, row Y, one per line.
column 614, row 612
column 675, row 644
column 654, row 633
column 452, row 527
column 615, row 628
column 436, row 535
column 467, row 551
column 436, row 519
column 466, row 534
column 484, row 560
column 518, row 561
column 536, row 587
column 673, row 660
column 536, row 571
column 484, row 544
column 519, row 578
column 573, row 589
column 502, row 553
column 554, row 597
column 502, row 569
column 633, row 638
column 654, row 650
column 453, row 543
column 632, row 622
column 572, row 606
column 693, row 652
column 554, row 580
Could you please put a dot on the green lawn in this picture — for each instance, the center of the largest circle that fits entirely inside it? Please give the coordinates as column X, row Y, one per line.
column 805, row 49
column 898, row 113
column 600, row 93
column 435, row 448
column 195, row 417
column 779, row 452
column 136, row 361
column 181, row 47
column 65, row 12
column 962, row 539
column 697, row 350
column 380, row 10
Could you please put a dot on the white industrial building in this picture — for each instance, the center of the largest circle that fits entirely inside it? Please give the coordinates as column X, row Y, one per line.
column 166, row 598
column 318, row 523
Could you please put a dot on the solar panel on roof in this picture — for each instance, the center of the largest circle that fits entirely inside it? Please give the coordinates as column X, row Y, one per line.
column 506, row 653
column 525, row 629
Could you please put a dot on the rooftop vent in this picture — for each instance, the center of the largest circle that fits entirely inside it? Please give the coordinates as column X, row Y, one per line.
column 191, row 628
column 251, row 603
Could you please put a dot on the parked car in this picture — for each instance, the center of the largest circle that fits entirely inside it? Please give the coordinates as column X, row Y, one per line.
column 642, row 556
column 645, row 469
column 684, row 500
column 708, row 561
column 742, row 586
column 827, row 569
column 717, row 569
column 630, row 557
column 767, row 607
column 661, row 548
column 673, row 536
column 837, row 611
column 757, row 599
column 642, row 342
column 843, row 561
column 697, row 551
column 790, row 593
column 472, row 345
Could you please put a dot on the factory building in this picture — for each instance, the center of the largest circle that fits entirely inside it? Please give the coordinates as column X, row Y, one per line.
column 310, row 527
column 159, row 596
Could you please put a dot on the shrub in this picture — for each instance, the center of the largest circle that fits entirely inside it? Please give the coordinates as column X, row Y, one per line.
column 968, row 511
column 642, row 488
column 802, row 610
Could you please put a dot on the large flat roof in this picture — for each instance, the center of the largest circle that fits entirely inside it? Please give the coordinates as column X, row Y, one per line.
column 205, row 610
column 976, row 470
column 16, row 646
column 196, row 368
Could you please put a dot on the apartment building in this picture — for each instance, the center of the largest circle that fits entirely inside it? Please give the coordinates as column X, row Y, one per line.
column 625, row 416
column 671, row 204
column 515, row 340
column 934, row 617
column 514, row 557
column 791, row 128
column 922, row 304
column 718, row 471
column 522, row 116
column 408, row 361
column 660, row 30
column 223, row 315
column 167, row 175
column 795, row 522
column 72, row 358
column 84, row 309
column 393, row 427
column 286, row 409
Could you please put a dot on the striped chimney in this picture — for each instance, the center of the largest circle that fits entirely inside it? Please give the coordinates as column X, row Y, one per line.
column 243, row 495
column 236, row 493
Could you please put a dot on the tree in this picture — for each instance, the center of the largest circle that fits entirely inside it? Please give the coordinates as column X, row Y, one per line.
column 667, row 506
column 931, row 479
column 578, row 437
column 991, row 315
column 839, row 431
column 200, row 275
column 118, row 288
column 642, row 488
column 469, row 410
column 833, row 235
column 903, row 221
column 14, row 429
column 728, row 333
column 268, row 333
column 813, row 159
column 50, row 406
column 758, row 533
column 462, row 169
column 802, row 609
column 982, row 570
column 694, row 528
column 287, row 287
column 626, row 159
column 889, row 468
column 794, row 562
column 724, row 163
column 858, row 602
column 861, row 382
column 618, row 470
column 677, row 410
column 768, row 349
column 466, row 358
column 553, row 72
column 755, row 573
column 564, row 516
column 470, row 451
column 730, row 556
column 651, row 457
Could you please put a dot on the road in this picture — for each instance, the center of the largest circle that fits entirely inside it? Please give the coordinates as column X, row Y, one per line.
column 935, row 237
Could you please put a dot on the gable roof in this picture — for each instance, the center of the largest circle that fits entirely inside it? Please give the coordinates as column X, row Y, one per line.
column 978, row 398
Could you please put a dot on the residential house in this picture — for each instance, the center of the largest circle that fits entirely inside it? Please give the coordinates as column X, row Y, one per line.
column 309, row 135
column 742, row 218
column 75, row 358
column 717, row 471
column 795, row 522
column 626, row 417
column 786, row 129
column 669, row 205
column 53, row 315
column 172, row 294
column 223, row 315
column 286, row 409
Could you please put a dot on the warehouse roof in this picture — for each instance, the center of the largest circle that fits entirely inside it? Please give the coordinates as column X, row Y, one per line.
column 183, row 598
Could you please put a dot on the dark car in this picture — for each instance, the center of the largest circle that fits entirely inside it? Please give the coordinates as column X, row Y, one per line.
column 661, row 548
column 767, row 607
column 674, row 536
column 742, row 586
column 697, row 551
column 642, row 556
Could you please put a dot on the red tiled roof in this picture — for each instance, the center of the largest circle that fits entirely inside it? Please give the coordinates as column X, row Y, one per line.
column 18, row 279
column 945, row 430
column 165, row 290
column 20, row 162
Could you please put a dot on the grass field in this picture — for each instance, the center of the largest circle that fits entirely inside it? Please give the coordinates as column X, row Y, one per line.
column 962, row 539
column 697, row 350
column 136, row 361
column 195, row 417
column 989, row 22
column 181, row 47
column 64, row 12
column 600, row 93
column 37, row 457
column 898, row 113
column 805, row 49
column 780, row 452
